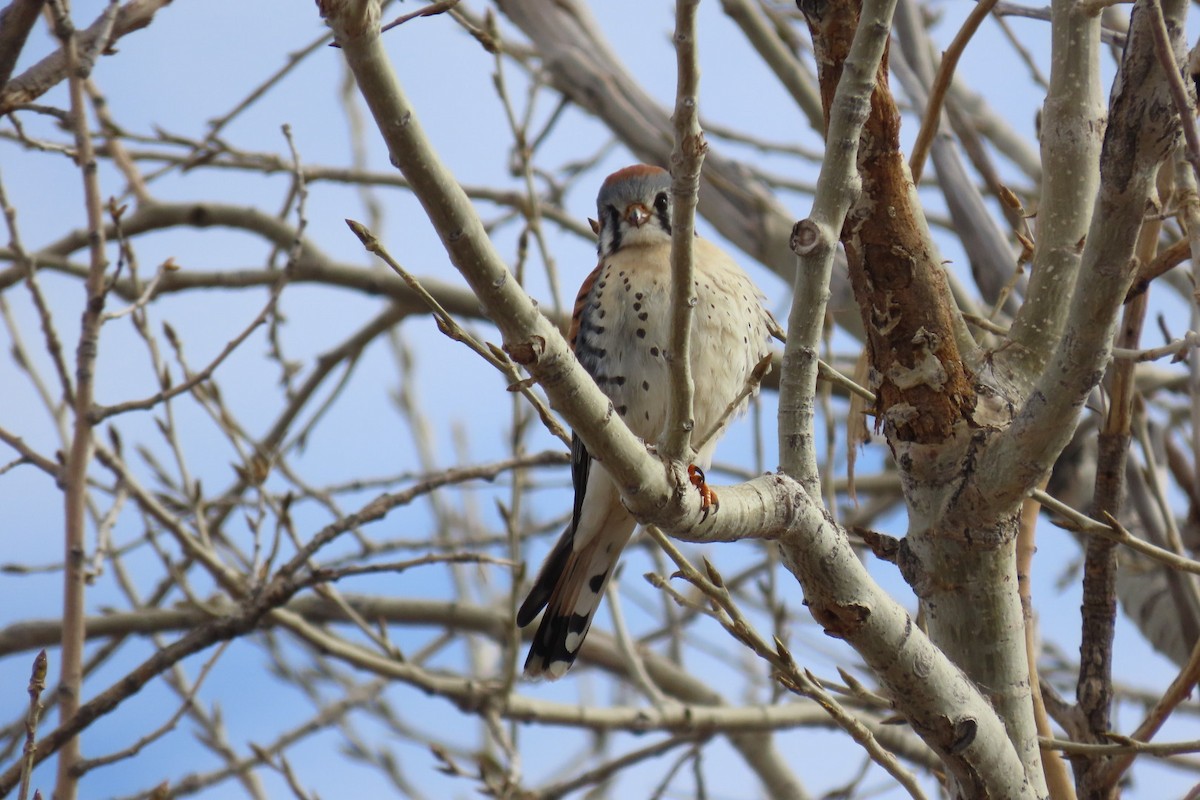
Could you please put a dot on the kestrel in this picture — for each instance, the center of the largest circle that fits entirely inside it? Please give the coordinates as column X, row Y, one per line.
column 620, row 332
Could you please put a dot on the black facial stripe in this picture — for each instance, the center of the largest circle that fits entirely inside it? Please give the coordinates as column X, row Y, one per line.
column 610, row 221
column 663, row 212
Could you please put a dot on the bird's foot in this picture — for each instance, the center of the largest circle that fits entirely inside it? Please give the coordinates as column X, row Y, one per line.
column 708, row 496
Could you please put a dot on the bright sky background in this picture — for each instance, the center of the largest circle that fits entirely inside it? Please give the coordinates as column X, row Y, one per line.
column 197, row 61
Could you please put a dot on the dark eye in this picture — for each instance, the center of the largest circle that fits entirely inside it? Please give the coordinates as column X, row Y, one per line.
column 661, row 202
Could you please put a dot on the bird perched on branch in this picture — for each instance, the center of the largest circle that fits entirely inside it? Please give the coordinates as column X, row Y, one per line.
column 620, row 332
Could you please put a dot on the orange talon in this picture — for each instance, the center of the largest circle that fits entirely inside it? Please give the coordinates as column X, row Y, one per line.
column 708, row 496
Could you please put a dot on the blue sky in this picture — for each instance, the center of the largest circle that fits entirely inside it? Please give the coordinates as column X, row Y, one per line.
column 197, row 61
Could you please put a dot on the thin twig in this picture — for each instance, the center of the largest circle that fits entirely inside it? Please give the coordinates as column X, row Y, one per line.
column 749, row 389
column 101, row 413
column 1114, row 531
column 613, row 767
column 37, row 684
column 523, row 151
column 87, row 765
column 628, row 648
column 1123, row 745
column 452, row 329
column 433, row 9
column 941, row 84
column 787, row 672
column 80, row 452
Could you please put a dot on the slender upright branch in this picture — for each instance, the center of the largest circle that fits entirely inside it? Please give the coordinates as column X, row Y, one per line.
column 815, row 241
column 1094, row 690
column 686, row 160
column 1073, row 124
column 80, row 452
column 1058, row 778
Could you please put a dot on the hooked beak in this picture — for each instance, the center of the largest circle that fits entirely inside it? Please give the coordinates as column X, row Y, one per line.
column 636, row 215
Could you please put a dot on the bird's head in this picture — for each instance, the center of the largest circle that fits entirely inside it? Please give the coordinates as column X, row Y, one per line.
column 634, row 209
